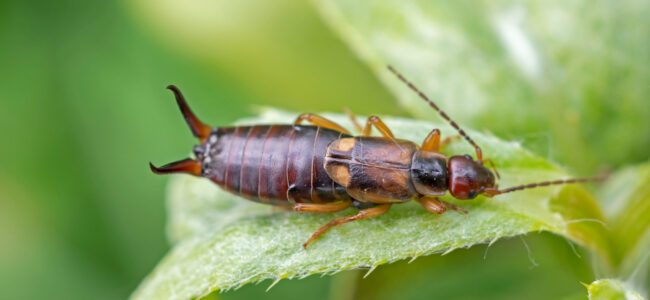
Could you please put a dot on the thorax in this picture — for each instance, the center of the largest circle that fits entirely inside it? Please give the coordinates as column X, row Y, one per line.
column 372, row 169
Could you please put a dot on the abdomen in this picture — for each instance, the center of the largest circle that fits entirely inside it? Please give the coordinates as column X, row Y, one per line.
column 275, row 164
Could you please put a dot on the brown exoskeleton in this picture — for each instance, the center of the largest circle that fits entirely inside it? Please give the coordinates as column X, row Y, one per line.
column 324, row 169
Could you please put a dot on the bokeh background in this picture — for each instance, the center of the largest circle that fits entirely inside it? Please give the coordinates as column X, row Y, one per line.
column 84, row 110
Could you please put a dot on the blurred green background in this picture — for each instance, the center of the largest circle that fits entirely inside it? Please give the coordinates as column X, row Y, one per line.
column 84, row 110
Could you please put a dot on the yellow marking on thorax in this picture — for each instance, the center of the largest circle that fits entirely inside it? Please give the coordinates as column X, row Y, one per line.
column 343, row 145
column 339, row 173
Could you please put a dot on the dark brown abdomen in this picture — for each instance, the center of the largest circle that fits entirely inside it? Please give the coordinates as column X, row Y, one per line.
column 275, row 164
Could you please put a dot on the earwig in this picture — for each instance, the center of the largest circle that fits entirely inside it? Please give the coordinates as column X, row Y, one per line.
column 323, row 168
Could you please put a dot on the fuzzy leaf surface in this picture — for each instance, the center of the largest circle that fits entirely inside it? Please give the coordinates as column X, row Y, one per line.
column 625, row 200
column 612, row 289
column 531, row 70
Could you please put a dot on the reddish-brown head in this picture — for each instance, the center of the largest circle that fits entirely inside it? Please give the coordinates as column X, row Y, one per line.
column 468, row 178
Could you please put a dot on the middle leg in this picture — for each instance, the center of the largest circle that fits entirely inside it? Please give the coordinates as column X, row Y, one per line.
column 433, row 143
column 353, row 119
column 380, row 125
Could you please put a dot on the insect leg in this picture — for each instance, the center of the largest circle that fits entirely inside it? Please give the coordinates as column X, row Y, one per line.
column 448, row 140
column 322, row 208
column 379, row 124
column 320, row 121
column 494, row 168
column 353, row 119
column 432, row 141
column 437, row 206
column 363, row 214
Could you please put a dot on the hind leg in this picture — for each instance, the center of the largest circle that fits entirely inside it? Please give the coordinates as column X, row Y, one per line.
column 363, row 214
column 320, row 121
column 323, row 207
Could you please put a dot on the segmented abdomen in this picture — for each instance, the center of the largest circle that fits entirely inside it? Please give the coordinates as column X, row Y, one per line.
column 276, row 164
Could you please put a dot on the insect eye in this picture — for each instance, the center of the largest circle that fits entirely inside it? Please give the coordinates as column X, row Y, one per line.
column 472, row 194
column 468, row 157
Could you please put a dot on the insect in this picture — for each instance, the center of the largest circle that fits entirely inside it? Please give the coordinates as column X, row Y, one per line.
column 323, row 168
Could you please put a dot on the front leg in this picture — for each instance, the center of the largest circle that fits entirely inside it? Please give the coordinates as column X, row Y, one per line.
column 437, row 206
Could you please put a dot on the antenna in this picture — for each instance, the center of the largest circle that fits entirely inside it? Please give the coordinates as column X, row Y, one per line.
column 494, row 191
column 479, row 152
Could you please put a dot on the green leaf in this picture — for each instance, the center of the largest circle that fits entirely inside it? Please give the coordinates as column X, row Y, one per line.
column 223, row 242
column 612, row 289
column 626, row 203
column 526, row 69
